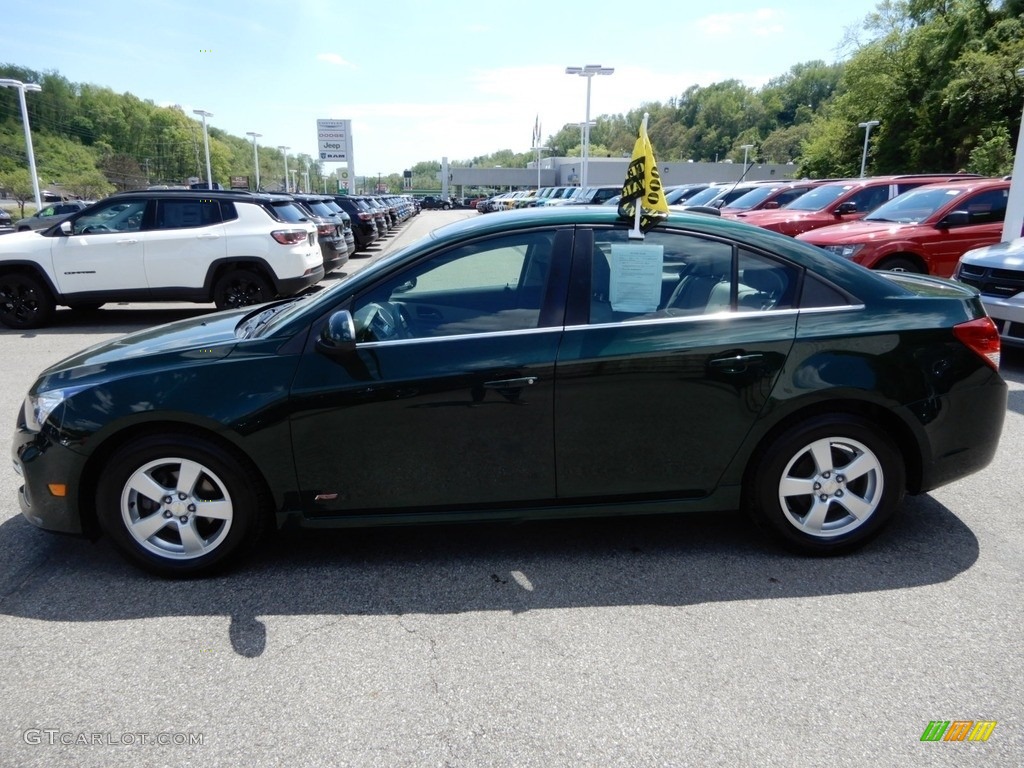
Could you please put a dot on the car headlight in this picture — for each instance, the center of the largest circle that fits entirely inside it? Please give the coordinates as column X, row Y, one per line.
column 39, row 406
column 846, row 251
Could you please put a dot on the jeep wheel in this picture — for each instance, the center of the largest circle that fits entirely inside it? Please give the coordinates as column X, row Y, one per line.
column 240, row 288
column 24, row 301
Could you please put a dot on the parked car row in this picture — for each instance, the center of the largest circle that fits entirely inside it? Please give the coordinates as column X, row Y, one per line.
column 533, row 198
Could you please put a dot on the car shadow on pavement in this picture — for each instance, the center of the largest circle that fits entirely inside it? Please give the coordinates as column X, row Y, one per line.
column 448, row 569
column 111, row 319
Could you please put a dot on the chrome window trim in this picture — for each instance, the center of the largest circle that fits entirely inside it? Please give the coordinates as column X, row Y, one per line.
column 724, row 315
column 459, row 336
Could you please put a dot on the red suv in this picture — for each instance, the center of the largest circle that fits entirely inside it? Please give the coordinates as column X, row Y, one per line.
column 841, row 201
column 925, row 230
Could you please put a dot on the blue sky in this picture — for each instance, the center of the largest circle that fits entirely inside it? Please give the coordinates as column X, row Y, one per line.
column 419, row 80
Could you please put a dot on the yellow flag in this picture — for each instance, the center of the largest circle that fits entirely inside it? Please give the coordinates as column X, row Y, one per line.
column 643, row 185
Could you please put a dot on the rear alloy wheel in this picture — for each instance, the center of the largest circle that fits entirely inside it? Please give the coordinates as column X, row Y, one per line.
column 240, row 288
column 177, row 505
column 24, row 301
column 828, row 486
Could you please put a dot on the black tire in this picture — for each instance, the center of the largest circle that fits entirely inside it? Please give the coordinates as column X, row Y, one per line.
column 86, row 306
column 25, row 302
column 827, row 512
column 168, row 535
column 900, row 264
column 241, row 288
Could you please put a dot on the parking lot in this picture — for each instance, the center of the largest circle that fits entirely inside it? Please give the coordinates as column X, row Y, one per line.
column 664, row 641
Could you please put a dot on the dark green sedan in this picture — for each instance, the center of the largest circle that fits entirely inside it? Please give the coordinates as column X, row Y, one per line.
column 531, row 365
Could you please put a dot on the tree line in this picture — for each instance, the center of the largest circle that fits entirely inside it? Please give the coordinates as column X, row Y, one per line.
column 939, row 75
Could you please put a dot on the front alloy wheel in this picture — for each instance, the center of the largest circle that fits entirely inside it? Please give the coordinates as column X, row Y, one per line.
column 178, row 505
column 24, row 301
column 828, row 486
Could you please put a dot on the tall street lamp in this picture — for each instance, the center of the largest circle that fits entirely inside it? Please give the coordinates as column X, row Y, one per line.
column 206, row 142
column 538, row 165
column 746, row 148
column 1013, row 223
column 284, row 151
column 588, row 72
column 867, row 132
column 255, row 155
column 22, row 87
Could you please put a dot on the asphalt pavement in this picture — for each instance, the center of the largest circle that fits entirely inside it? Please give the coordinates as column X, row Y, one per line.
column 665, row 641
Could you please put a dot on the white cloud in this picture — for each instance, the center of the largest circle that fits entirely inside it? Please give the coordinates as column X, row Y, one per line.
column 760, row 23
column 333, row 58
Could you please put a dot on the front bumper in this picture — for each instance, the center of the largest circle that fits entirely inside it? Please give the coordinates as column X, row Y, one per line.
column 41, row 463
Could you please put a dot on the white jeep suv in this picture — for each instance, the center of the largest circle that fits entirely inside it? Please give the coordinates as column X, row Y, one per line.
column 233, row 248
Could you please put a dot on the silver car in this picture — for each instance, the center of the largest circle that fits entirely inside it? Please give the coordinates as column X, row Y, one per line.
column 997, row 271
column 50, row 214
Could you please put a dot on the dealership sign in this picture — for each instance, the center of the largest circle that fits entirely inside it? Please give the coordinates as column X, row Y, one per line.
column 334, row 140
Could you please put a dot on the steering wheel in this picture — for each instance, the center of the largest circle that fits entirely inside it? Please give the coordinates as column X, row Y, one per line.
column 384, row 321
column 96, row 228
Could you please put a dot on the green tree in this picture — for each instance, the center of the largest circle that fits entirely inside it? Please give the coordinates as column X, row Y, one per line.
column 18, row 184
column 90, row 185
column 992, row 156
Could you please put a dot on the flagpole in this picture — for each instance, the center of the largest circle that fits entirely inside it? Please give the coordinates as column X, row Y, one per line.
column 635, row 233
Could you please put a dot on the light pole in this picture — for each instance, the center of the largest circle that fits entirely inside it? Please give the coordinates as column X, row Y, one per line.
column 22, row 87
column 255, row 155
column 538, row 165
column 746, row 148
column 284, row 151
column 1013, row 224
column 206, row 142
column 588, row 72
column 305, row 181
column 295, row 186
column 867, row 132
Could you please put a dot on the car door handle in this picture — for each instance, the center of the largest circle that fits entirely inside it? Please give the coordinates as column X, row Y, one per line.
column 736, row 363
column 127, row 242
column 524, row 381
column 208, row 236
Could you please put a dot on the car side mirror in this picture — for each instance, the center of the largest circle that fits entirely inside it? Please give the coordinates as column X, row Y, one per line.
column 845, row 208
column 954, row 219
column 338, row 336
column 771, row 205
column 64, row 227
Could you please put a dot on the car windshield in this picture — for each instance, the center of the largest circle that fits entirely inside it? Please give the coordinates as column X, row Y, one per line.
column 705, row 196
column 286, row 210
column 680, row 194
column 819, row 198
column 752, row 198
column 320, row 208
column 914, row 206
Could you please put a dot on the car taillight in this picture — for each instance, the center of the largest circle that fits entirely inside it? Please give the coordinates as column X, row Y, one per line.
column 982, row 337
column 289, row 236
column 366, row 217
column 325, row 229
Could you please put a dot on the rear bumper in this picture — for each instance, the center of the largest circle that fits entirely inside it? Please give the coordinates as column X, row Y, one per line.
column 962, row 430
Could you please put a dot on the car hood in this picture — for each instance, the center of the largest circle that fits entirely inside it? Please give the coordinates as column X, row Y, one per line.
column 857, row 232
column 17, row 241
column 776, row 215
column 1009, row 254
column 198, row 338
